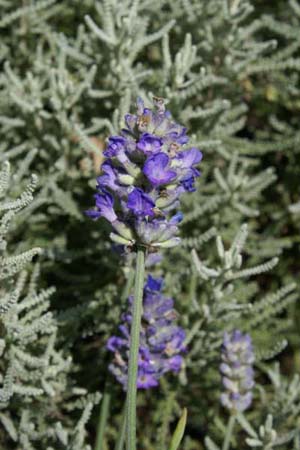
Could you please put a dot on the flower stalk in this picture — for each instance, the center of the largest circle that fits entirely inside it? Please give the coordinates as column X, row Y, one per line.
column 137, row 308
column 229, row 432
column 121, row 436
column 104, row 412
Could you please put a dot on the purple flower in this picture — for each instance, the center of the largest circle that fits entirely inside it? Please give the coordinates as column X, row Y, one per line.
column 237, row 371
column 114, row 343
column 93, row 214
column 188, row 184
column 140, row 203
column 146, row 380
column 149, row 143
column 153, row 284
column 109, row 177
column 157, row 170
column 115, row 146
column 161, row 341
column 189, row 158
column 234, row 400
column 178, row 135
column 104, row 205
column 156, row 231
column 140, row 106
column 130, row 121
column 177, row 218
column 175, row 363
column 153, row 259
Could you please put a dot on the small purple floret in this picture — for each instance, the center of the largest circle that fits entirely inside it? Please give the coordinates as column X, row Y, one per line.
column 154, row 284
column 149, row 143
column 177, row 218
column 140, row 203
column 104, row 205
column 157, row 170
column 188, row 184
column 109, row 177
column 189, row 158
column 115, row 146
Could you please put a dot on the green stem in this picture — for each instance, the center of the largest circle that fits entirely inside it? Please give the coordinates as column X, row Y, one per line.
column 128, row 285
column 166, row 413
column 229, row 431
column 102, row 420
column 121, row 436
column 137, row 308
column 104, row 409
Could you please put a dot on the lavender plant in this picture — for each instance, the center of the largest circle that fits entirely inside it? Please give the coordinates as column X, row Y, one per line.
column 146, row 170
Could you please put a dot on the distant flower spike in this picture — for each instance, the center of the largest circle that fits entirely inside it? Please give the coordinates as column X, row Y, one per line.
column 237, row 371
column 143, row 176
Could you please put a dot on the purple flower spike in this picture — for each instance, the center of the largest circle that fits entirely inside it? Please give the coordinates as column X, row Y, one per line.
column 149, row 143
column 237, row 371
column 140, row 203
column 161, row 342
column 157, row 170
column 146, row 170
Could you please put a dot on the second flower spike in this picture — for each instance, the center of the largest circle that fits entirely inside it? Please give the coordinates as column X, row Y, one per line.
column 161, row 340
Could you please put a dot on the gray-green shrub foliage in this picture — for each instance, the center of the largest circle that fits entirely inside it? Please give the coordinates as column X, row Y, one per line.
column 33, row 372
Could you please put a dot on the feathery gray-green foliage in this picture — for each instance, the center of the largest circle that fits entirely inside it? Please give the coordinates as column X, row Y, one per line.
column 33, row 372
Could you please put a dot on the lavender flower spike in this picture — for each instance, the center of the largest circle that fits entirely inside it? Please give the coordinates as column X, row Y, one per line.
column 237, row 371
column 146, row 170
column 161, row 340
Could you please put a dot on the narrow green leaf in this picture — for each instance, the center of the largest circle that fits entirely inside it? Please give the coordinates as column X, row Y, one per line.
column 210, row 444
column 246, row 425
column 179, row 431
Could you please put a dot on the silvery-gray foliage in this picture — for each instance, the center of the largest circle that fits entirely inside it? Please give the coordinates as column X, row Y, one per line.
column 34, row 373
